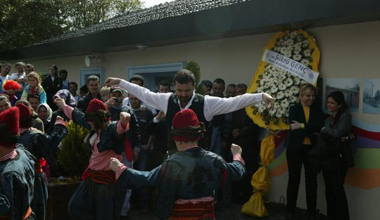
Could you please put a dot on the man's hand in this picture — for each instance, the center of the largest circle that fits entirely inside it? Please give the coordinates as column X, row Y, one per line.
column 124, row 118
column 114, row 164
column 160, row 115
column 269, row 100
column 60, row 103
column 112, row 81
column 236, row 150
column 110, row 102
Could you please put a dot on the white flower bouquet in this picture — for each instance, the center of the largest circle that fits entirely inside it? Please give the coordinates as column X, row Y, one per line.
column 282, row 85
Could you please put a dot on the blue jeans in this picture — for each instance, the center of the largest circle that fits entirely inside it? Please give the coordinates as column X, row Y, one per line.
column 143, row 165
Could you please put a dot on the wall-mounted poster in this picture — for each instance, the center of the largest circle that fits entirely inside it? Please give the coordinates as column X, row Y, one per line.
column 350, row 87
column 371, row 96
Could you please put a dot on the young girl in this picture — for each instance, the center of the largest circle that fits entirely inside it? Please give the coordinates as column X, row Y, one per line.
column 34, row 87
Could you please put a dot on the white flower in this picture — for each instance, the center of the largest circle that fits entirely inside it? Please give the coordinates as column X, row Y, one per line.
column 297, row 57
column 293, row 34
column 305, row 62
column 288, row 54
column 296, row 52
column 280, row 95
column 305, row 44
column 274, row 89
column 297, row 81
column 290, row 42
column 307, row 53
column 261, row 109
column 293, row 99
column 294, row 90
column 283, row 50
column 284, row 103
column 272, row 111
column 288, row 82
column 278, row 115
column 288, row 93
column 281, row 86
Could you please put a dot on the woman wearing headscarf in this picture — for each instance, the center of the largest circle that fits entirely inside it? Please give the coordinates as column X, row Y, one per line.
column 45, row 113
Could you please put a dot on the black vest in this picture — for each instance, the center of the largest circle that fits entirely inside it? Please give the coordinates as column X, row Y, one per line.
column 173, row 107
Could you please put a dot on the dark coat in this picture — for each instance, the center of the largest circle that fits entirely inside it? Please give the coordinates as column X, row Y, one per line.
column 296, row 138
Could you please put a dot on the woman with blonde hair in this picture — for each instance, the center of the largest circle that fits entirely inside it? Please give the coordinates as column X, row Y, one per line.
column 34, row 88
column 305, row 119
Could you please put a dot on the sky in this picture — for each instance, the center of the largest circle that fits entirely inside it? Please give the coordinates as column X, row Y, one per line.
column 150, row 3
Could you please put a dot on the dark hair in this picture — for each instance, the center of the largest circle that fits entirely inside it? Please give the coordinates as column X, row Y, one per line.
column 55, row 69
column 207, row 83
column 26, row 122
column 220, row 81
column 338, row 98
column 74, row 83
column 242, row 85
column 98, row 117
column 184, row 76
column 30, row 66
column 33, row 96
column 231, row 85
column 137, row 78
column 164, row 83
column 63, row 71
column 93, row 78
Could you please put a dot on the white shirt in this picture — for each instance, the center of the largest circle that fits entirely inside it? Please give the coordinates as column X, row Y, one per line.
column 5, row 78
column 15, row 76
column 212, row 105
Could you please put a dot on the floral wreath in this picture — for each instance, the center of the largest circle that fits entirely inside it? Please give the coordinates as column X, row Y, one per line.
column 297, row 45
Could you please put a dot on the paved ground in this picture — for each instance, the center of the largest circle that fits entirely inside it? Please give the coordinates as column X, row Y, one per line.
column 276, row 212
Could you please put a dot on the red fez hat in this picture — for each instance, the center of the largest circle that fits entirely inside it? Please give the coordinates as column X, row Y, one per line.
column 25, row 115
column 186, row 126
column 96, row 104
column 11, row 85
column 9, row 127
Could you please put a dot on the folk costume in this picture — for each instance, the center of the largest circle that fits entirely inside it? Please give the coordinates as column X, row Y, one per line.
column 96, row 197
column 16, row 171
column 187, row 181
column 44, row 148
column 206, row 107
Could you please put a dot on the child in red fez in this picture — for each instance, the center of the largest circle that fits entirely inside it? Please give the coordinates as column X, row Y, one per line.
column 97, row 196
column 187, row 180
column 10, row 88
column 16, row 169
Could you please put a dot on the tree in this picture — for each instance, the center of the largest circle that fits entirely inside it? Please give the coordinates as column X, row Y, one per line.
column 25, row 22
column 85, row 13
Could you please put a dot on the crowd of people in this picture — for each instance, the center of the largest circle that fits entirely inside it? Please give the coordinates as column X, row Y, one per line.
column 178, row 151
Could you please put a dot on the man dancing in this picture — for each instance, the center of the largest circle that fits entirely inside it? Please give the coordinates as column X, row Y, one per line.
column 205, row 107
column 187, row 181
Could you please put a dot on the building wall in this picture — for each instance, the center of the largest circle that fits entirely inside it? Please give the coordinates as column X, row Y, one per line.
column 347, row 51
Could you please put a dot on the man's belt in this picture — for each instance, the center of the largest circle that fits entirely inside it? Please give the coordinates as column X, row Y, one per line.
column 193, row 211
column 102, row 177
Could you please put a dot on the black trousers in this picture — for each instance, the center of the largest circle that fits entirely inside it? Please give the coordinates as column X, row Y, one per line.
column 337, row 205
column 297, row 158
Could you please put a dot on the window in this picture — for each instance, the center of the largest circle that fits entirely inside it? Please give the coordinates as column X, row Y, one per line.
column 153, row 74
column 85, row 73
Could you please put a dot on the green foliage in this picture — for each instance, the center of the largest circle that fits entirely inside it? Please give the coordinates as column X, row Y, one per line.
column 25, row 22
column 194, row 68
column 74, row 155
